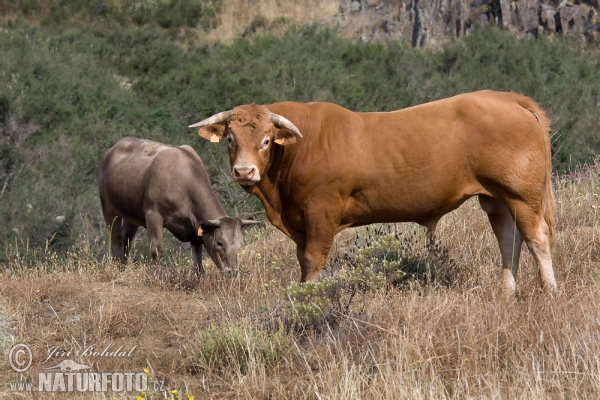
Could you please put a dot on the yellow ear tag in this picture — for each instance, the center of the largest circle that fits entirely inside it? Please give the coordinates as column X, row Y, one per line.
column 279, row 141
column 200, row 231
column 214, row 138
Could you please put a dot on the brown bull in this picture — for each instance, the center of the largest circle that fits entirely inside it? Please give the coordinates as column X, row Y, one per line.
column 145, row 183
column 319, row 168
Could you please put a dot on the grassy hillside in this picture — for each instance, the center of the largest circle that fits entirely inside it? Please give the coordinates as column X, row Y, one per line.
column 67, row 93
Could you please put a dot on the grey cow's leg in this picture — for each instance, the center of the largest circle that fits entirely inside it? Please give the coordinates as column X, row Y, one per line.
column 129, row 230
column 197, row 256
column 113, row 224
column 154, row 225
column 116, row 240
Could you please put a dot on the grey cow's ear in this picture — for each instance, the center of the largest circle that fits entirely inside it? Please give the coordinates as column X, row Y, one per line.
column 208, row 226
column 248, row 222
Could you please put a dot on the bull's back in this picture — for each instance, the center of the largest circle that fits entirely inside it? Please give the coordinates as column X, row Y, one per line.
column 416, row 162
column 430, row 157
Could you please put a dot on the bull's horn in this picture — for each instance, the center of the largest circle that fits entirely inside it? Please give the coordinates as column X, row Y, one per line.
column 249, row 222
column 215, row 119
column 214, row 222
column 282, row 122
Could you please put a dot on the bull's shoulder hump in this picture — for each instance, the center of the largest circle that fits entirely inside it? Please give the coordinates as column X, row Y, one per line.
column 311, row 106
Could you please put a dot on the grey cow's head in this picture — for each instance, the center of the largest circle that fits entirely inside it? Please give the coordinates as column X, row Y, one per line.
column 223, row 238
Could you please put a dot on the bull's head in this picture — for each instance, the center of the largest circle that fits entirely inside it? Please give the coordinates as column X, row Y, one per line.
column 251, row 133
column 223, row 238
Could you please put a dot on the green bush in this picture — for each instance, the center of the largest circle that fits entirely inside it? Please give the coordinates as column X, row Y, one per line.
column 237, row 348
column 324, row 301
column 168, row 14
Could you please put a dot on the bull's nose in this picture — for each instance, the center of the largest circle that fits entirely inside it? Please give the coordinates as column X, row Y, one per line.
column 244, row 173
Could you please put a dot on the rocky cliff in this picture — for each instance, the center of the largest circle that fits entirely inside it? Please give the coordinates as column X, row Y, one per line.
column 430, row 22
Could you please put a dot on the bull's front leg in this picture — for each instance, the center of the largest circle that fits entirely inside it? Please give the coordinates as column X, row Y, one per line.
column 313, row 251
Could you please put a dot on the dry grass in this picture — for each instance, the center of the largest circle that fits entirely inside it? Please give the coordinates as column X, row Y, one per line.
column 238, row 15
column 232, row 337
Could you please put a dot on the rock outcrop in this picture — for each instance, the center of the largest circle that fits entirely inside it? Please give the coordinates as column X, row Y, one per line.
column 431, row 22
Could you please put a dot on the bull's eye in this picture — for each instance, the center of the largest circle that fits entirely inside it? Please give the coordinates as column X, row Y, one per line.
column 219, row 243
column 230, row 140
column 265, row 143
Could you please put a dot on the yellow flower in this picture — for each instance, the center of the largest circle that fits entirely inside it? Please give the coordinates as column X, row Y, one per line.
column 139, row 398
column 174, row 391
column 146, row 371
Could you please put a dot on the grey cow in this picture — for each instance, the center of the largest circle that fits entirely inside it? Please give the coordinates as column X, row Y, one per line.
column 150, row 184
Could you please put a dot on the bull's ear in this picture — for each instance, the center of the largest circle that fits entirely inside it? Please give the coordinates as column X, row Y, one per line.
column 284, row 136
column 213, row 132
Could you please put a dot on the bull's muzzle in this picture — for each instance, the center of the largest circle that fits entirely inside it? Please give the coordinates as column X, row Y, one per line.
column 246, row 173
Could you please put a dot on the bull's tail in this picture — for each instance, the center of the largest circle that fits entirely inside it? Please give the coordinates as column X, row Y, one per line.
column 548, row 205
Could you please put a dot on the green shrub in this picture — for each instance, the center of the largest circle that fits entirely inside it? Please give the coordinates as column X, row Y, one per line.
column 234, row 348
column 322, row 302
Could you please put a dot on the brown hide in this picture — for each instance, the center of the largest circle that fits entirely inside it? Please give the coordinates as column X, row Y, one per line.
column 145, row 183
column 416, row 164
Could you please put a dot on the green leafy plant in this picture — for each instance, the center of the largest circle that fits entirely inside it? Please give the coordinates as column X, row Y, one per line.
column 323, row 301
column 232, row 347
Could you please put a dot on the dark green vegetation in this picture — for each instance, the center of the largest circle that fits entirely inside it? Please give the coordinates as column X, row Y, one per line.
column 168, row 14
column 66, row 93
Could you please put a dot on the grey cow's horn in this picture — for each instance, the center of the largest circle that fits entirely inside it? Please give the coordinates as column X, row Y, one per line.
column 282, row 122
column 215, row 119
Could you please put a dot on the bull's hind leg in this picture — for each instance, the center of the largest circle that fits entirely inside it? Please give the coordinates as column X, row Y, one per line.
column 430, row 225
column 509, row 240
column 534, row 230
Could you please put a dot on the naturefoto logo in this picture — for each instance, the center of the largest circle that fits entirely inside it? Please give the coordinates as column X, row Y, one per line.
column 70, row 366
column 71, row 376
